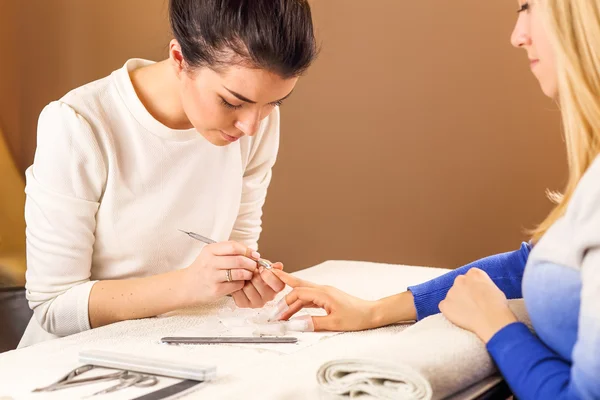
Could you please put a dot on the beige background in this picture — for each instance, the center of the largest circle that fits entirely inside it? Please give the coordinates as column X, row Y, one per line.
column 418, row 137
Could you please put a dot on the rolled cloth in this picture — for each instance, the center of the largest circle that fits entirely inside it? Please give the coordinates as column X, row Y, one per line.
column 430, row 360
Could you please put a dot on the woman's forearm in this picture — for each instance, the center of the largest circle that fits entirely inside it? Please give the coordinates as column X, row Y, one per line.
column 119, row 300
column 394, row 309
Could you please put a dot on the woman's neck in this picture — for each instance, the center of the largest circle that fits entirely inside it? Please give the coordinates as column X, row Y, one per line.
column 158, row 88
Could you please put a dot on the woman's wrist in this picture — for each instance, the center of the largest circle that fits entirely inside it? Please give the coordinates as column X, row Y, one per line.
column 493, row 325
column 394, row 309
column 189, row 294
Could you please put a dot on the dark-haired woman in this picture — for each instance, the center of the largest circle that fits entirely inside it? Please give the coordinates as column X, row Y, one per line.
column 187, row 143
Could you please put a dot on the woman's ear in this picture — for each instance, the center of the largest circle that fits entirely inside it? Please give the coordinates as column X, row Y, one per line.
column 176, row 57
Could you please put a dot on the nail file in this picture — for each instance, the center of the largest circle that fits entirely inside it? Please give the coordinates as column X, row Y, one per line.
column 228, row 339
column 153, row 366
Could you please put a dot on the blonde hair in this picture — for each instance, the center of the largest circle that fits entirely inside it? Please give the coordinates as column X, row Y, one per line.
column 574, row 28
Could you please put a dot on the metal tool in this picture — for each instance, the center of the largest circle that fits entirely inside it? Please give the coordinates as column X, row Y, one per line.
column 228, row 339
column 132, row 371
column 206, row 240
column 127, row 379
column 130, row 379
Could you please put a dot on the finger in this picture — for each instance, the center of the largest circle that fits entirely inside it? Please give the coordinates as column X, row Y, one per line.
column 303, row 323
column 311, row 305
column 316, row 296
column 273, row 281
column 483, row 276
column 476, row 272
column 240, row 298
column 292, row 310
column 227, row 288
column 459, row 281
column 234, row 262
column 236, row 275
column 292, row 280
column 442, row 306
column 232, row 248
column 277, row 265
column 308, row 323
column 252, row 295
column 326, row 323
column 265, row 291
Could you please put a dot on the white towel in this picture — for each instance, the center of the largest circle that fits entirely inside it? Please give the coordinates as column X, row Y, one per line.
column 243, row 371
column 432, row 359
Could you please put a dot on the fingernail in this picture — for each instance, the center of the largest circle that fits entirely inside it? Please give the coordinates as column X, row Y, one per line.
column 255, row 255
column 303, row 323
column 261, row 269
column 279, row 309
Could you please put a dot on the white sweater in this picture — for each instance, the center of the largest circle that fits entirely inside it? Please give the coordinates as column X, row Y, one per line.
column 109, row 188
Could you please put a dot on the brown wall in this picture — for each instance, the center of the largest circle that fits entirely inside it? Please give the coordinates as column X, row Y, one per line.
column 12, row 227
column 66, row 43
column 10, row 73
column 418, row 137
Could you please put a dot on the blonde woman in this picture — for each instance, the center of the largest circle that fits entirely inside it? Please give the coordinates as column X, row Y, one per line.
column 560, row 279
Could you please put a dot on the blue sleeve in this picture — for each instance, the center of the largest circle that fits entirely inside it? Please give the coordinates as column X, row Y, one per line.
column 531, row 369
column 506, row 270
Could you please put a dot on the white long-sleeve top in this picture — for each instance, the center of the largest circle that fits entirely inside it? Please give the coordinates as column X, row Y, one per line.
column 109, row 188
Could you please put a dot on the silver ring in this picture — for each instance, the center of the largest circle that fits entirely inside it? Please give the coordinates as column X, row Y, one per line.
column 228, row 274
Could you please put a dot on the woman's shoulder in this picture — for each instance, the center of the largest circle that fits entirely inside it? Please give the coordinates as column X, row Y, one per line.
column 95, row 99
column 589, row 184
column 89, row 99
column 585, row 203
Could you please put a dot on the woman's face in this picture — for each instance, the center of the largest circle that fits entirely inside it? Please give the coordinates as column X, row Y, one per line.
column 530, row 34
column 226, row 105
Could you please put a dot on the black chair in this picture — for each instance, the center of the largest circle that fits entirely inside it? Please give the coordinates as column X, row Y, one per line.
column 14, row 317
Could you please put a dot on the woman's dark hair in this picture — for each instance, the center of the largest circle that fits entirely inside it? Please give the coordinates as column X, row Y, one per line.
column 276, row 35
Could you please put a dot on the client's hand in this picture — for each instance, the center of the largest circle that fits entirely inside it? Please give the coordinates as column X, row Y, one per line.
column 344, row 312
column 476, row 304
column 261, row 289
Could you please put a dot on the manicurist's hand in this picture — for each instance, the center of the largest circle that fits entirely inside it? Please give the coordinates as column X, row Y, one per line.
column 220, row 269
column 262, row 288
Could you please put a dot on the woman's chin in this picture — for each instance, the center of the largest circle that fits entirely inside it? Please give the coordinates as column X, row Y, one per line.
column 549, row 89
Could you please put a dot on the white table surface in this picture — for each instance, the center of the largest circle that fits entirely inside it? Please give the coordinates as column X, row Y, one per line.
column 242, row 372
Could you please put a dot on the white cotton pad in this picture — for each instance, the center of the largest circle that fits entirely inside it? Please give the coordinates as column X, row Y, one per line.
column 279, row 309
column 261, row 317
column 303, row 323
column 273, row 329
column 280, row 328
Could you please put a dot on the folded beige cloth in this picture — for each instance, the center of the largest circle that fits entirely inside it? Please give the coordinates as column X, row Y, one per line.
column 432, row 359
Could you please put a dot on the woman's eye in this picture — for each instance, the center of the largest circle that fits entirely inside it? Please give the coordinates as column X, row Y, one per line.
column 229, row 105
